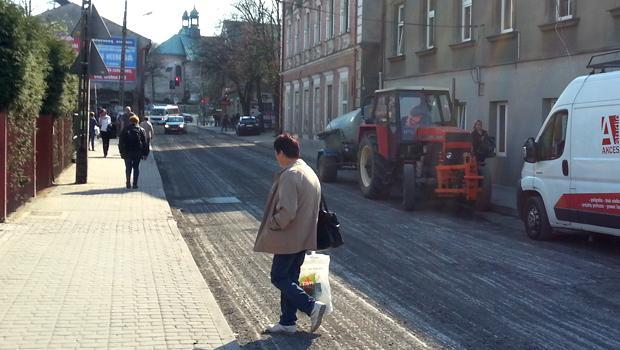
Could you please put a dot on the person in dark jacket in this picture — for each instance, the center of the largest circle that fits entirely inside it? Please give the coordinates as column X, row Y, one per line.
column 478, row 139
column 133, row 146
column 92, row 125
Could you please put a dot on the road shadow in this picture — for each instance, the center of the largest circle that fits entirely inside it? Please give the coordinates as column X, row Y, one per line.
column 297, row 341
column 116, row 190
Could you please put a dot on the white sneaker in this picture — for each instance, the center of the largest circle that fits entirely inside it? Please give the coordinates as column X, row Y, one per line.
column 316, row 316
column 278, row 328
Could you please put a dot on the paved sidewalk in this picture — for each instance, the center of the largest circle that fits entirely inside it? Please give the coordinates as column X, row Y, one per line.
column 504, row 199
column 100, row 266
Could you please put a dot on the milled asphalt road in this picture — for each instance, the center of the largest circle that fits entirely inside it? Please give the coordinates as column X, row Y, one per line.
column 443, row 276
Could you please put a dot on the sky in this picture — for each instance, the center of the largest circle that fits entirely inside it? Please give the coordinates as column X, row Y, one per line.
column 157, row 20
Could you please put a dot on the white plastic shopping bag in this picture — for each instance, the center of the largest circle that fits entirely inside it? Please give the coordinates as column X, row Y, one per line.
column 314, row 279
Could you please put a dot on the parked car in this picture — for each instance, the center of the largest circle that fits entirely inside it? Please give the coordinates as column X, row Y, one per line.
column 160, row 113
column 188, row 118
column 247, row 125
column 175, row 124
column 570, row 175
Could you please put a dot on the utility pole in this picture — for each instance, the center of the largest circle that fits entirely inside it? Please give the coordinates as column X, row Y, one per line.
column 87, row 63
column 81, row 161
column 122, row 77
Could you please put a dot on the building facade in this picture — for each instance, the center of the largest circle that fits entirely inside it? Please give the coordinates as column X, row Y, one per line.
column 174, row 71
column 507, row 60
column 331, row 50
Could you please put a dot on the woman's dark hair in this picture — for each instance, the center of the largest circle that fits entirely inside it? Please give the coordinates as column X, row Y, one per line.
column 288, row 145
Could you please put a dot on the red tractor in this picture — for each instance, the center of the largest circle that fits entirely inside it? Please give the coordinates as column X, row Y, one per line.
column 410, row 137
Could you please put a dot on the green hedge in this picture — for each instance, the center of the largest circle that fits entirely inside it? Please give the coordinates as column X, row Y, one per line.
column 34, row 65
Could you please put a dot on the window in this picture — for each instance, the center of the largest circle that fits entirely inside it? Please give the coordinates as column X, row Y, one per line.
column 306, row 110
column 344, row 97
column 564, row 9
column 461, row 113
column 317, row 106
column 329, row 111
column 330, row 20
column 400, row 29
column 501, row 129
column 466, row 20
column 307, row 31
column 317, row 26
column 506, row 20
column 344, row 16
column 381, row 113
column 553, row 138
column 430, row 24
column 297, row 38
column 289, row 44
column 297, row 112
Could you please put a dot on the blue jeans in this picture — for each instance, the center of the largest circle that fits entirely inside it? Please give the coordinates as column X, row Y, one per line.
column 285, row 276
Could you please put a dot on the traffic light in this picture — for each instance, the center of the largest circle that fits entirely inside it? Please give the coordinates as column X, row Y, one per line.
column 177, row 75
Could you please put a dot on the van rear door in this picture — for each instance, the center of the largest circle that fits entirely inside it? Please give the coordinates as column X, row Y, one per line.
column 552, row 176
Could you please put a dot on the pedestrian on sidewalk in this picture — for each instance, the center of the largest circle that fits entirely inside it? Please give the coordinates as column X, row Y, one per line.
column 133, row 147
column 148, row 129
column 288, row 230
column 105, row 122
column 224, row 123
column 480, row 142
column 123, row 120
column 93, row 125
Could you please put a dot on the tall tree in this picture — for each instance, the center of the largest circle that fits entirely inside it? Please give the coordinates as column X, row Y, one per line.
column 263, row 17
column 246, row 54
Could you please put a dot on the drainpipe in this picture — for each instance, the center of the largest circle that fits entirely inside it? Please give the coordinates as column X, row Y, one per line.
column 382, row 65
column 353, row 34
column 281, row 97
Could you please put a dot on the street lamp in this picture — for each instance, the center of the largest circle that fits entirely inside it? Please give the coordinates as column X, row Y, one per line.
column 122, row 77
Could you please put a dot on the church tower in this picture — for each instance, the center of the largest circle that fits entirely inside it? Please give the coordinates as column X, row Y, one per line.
column 194, row 20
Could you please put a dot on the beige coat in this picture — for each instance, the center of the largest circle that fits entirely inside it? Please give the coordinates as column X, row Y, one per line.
column 289, row 222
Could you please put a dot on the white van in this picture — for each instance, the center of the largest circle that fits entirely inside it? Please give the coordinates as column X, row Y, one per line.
column 159, row 114
column 571, row 175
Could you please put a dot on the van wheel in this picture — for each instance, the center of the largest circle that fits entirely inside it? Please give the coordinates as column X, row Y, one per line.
column 536, row 220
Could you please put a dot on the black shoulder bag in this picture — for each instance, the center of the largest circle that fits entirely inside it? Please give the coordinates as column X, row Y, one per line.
column 328, row 228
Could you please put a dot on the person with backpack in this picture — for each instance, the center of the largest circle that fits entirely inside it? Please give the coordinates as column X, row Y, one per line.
column 133, row 147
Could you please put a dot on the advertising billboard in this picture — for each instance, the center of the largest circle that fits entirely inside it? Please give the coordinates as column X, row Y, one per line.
column 110, row 50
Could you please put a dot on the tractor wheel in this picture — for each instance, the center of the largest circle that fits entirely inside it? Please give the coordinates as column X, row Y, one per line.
column 483, row 202
column 536, row 220
column 409, row 190
column 372, row 169
column 328, row 168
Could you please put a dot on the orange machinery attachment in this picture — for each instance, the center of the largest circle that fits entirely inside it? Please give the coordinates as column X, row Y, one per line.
column 459, row 179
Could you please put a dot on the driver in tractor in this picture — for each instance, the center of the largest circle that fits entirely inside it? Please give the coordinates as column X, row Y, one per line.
column 418, row 116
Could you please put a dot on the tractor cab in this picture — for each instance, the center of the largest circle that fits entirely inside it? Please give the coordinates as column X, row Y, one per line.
column 405, row 110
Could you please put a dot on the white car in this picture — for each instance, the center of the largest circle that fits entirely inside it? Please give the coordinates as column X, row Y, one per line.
column 571, row 175
column 160, row 113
